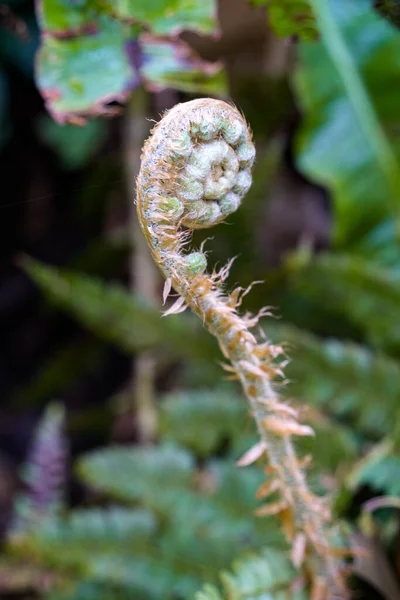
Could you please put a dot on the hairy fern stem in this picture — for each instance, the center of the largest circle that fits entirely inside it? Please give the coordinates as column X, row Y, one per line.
column 195, row 170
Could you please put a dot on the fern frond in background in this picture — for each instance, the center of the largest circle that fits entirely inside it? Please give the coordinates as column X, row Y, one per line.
column 45, row 473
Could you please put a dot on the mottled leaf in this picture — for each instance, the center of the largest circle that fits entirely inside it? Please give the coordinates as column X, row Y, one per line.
column 170, row 16
column 63, row 17
column 80, row 76
column 173, row 64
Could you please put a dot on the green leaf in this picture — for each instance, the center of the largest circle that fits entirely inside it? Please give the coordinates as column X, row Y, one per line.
column 117, row 316
column 264, row 576
column 71, row 73
column 203, row 420
column 137, row 474
column 345, row 379
column 379, row 469
column 213, row 506
column 167, row 17
column 290, row 17
column 59, row 17
column 173, row 64
column 89, row 590
column 366, row 294
column 350, row 140
column 87, row 535
column 73, row 145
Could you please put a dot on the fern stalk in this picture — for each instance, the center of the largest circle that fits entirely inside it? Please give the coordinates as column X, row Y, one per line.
column 195, row 170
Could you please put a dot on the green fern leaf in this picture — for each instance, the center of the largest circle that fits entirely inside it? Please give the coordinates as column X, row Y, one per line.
column 116, row 316
column 347, row 380
column 84, row 535
column 366, row 294
column 149, row 475
column 266, row 576
column 203, row 420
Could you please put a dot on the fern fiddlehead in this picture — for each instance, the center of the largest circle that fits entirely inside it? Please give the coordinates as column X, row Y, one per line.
column 195, row 170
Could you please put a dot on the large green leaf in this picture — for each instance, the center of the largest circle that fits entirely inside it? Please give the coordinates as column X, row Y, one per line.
column 71, row 73
column 167, row 17
column 173, row 64
column 78, row 39
column 348, row 86
column 58, row 17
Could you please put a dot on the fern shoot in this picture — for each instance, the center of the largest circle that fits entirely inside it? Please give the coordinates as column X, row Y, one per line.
column 195, row 170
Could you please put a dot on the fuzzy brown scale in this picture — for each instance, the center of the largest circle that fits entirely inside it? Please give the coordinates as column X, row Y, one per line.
column 195, row 171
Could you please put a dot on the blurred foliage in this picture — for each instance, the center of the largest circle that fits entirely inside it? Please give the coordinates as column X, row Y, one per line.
column 79, row 39
column 390, row 9
column 262, row 577
column 290, row 17
column 146, row 546
column 347, row 84
column 109, row 311
column 73, row 145
column 160, row 521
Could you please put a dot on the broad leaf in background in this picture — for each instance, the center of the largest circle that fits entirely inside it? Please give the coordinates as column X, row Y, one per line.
column 78, row 41
column 71, row 72
column 173, row 64
column 56, row 17
column 167, row 17
column 290, row 17
column 348, row 87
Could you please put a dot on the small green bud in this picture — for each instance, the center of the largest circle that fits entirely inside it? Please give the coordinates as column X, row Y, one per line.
column 204, row 129
column 196, row 263
column 191, row 189
column 181, row 147
column 172, row 206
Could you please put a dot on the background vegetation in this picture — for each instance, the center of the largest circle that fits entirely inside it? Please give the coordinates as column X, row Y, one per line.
column 126, row 427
